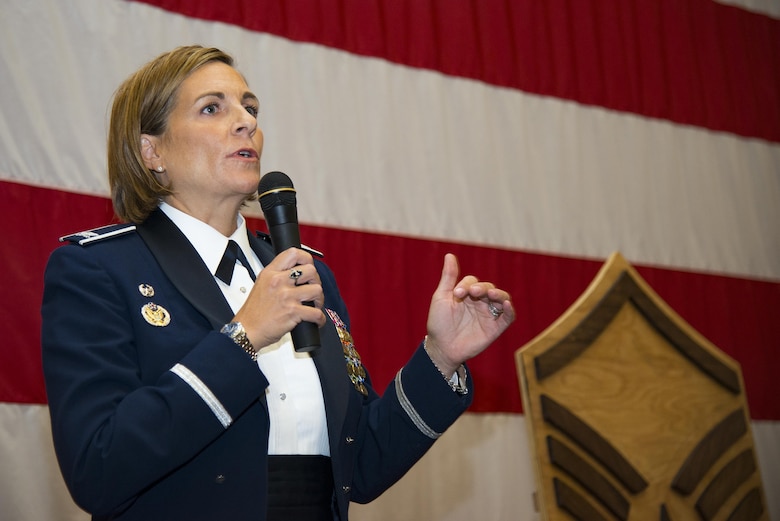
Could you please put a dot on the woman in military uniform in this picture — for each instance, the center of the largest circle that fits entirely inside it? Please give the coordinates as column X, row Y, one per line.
column 173, row 385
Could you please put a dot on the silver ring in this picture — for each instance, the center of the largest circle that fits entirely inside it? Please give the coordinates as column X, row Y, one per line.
column 494, row 310
column 295, row 274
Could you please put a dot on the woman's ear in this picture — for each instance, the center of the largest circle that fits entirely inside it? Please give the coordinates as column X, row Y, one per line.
column 149, row 153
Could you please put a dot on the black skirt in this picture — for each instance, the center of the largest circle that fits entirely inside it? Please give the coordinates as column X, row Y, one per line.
column 300, row 488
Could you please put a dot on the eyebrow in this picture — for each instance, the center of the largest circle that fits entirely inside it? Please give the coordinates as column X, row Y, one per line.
column 221, row 95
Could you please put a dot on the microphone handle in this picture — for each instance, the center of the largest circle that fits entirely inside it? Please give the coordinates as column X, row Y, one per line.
column 305, row 335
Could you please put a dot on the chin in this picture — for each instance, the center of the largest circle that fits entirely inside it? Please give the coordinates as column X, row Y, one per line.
column 250, row 179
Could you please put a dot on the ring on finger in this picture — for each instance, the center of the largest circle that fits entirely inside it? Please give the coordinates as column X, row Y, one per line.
column 295, row 274
column 495, row 311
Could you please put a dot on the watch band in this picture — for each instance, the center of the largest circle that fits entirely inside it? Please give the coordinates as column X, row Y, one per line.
column 236, row 332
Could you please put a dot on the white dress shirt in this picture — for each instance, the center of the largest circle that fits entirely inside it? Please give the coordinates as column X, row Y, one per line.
column 294, row 394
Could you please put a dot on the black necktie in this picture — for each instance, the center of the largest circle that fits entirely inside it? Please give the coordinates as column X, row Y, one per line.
column 232, row 254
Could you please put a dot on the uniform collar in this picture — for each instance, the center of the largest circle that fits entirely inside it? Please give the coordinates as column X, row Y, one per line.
column 207, row 241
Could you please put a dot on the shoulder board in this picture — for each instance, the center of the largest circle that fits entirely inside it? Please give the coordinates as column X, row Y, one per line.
column 267, row 238
column 98, row 234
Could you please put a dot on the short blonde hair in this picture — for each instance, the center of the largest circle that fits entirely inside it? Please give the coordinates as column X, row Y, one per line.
column 142, row 105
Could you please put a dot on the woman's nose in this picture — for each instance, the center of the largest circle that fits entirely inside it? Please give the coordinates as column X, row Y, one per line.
column 245, row 122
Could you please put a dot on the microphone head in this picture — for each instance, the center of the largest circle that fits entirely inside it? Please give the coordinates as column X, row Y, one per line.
column 275, row 189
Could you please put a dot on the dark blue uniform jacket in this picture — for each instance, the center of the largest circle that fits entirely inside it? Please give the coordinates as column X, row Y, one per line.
column 135, row 441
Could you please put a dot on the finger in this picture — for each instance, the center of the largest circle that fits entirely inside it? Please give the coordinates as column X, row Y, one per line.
column 303, row 274
column 314, row 315
column 476, row 289
column 501, row 302
column 290, row 258
column 310, row 293
column 449, row 273
column 509, row 311
column 295, row 275
column 498, row 295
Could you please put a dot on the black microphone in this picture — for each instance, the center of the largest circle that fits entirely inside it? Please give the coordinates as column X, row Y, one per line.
column 277, row 199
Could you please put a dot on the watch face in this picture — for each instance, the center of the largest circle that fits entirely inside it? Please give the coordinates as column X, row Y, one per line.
column 233, row 329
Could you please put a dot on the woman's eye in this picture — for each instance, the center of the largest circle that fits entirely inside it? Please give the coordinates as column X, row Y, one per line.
column 211, row 108
column 252, row 110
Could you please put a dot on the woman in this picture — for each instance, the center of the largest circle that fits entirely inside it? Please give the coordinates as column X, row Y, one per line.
column 173, row 386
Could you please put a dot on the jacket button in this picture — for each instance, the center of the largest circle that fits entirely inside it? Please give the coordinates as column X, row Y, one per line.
column 220, row 479
column 346, row 489
column 350, row 439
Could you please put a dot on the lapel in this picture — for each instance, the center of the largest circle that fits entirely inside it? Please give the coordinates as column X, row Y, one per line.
column 181, row 263
column 328, row 359
column 263, row 249
column 330, row 363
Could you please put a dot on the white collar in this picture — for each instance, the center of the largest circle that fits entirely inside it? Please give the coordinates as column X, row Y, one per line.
column 207, row 241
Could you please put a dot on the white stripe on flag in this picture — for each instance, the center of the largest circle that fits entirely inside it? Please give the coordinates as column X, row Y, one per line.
column 492, row 477
column 393, row 149
column 767, row 7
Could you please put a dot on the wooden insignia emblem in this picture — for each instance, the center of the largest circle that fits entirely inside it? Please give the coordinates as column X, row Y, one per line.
column 634, row 415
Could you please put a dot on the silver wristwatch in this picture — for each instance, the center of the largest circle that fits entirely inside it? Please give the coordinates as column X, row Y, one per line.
column 237, row 333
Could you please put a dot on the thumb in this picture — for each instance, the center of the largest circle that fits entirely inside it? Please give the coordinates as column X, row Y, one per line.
column 449, row 274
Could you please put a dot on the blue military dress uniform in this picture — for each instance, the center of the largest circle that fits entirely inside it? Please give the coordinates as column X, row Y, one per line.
column 125, row 305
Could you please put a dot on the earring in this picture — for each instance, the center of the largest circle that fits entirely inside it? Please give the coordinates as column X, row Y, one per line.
column 160, row 169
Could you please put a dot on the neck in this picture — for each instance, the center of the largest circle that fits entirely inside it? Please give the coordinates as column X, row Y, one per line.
column 222, row 218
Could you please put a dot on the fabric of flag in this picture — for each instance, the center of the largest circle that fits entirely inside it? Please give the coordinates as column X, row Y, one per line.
column 530, row 138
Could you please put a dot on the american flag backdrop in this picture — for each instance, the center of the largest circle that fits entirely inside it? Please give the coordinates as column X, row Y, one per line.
column 530, row 137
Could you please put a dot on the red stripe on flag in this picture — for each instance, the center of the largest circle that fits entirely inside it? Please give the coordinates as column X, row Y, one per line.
column 23, row 259
column 695, row 62
column 387, row 282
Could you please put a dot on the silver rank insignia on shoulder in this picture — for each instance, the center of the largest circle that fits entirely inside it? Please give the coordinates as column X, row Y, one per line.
column 155, row 315
column 146, row 290
column 355, row 369
column 98, row 234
